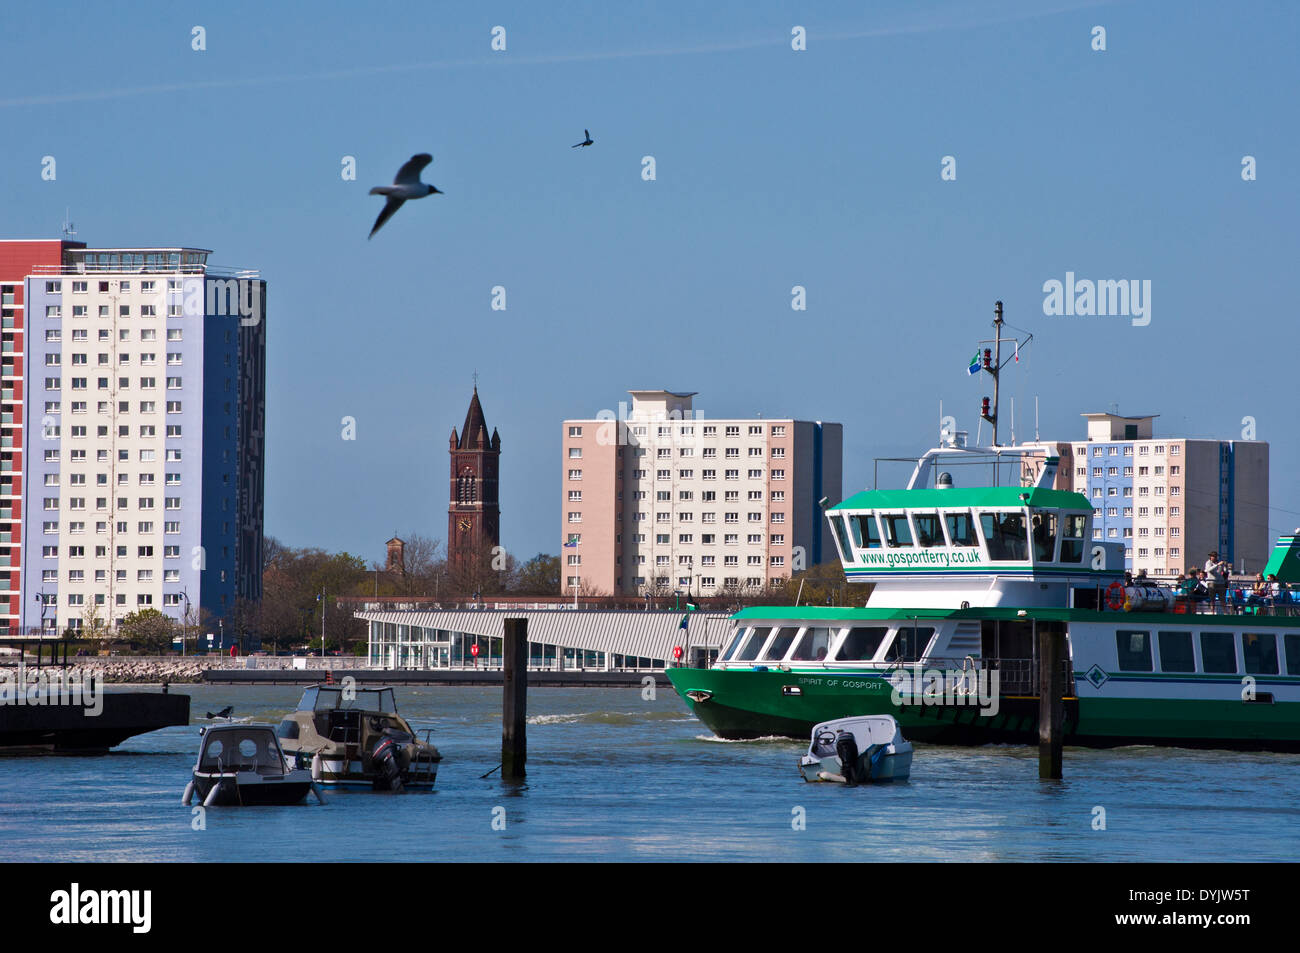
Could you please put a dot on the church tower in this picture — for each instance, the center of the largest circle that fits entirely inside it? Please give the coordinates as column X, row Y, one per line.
column 474, row 514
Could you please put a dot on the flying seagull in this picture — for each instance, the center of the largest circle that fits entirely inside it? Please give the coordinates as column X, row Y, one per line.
column 586, row 142
column 406, row 185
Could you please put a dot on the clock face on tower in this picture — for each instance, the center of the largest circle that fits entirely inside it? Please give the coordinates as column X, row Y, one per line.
column 465, row 525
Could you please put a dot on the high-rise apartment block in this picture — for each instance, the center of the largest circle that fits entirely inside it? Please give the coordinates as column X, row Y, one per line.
column 142, row 406
column 661, row 499
column 1170, row 501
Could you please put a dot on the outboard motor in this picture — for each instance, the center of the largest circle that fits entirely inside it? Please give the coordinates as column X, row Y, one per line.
column 386, row 759
column 846, row 749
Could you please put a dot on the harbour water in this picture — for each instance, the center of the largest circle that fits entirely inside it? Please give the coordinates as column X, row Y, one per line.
column 615, row 777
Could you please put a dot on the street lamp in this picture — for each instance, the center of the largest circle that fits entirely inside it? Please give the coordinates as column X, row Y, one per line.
column 185, row 620
column 321, row 598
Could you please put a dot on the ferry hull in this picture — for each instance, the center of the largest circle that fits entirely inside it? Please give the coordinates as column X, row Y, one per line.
column 746, row 704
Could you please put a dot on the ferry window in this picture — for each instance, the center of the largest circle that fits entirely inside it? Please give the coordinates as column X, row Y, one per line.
column 1259, row 652
column 897, row 531
column 756, row 640
column 861, row 643
column 961, row 529
column 735, row 643
column 910, row 643
column 1044, row 536
column 288, row 729
column 1292, row 643
column 813, row 646
column 928, row 530
column 1218, row 653
column 1176, row 652
column 1134, row 650
column 1073, row 528
column 1005, row 534
column 842, row 537
column 776, row 651
column 865, row 532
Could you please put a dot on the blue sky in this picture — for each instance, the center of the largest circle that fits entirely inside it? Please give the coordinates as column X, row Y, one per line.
column 775, row 168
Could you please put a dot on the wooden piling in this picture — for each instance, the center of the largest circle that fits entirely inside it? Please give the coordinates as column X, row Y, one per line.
column 1051, row 698
column 514, row 708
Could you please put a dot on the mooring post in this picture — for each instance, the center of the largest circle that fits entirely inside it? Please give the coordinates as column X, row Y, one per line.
column 1051, row 698
column 514, row 708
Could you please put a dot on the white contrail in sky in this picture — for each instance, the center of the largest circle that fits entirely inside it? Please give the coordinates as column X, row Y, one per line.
column 965, row 19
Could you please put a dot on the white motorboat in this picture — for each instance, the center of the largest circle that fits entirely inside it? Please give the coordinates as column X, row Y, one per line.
column 856, row 750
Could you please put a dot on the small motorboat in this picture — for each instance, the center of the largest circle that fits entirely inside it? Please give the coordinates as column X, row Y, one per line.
column 856, row 750
column 243, row 765
column 354, row 737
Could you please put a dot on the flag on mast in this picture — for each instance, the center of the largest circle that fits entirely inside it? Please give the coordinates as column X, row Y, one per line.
column 1017, row 352
column 974, row 367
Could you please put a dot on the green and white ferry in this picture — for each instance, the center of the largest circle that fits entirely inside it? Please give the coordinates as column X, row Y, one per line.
column 960, row 584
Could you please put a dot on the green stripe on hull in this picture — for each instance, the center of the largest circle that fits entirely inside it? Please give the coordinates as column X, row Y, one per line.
column 1200, row 722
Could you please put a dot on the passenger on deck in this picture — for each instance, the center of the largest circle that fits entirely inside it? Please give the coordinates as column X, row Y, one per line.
column 1192, row 588
column 1216, row 579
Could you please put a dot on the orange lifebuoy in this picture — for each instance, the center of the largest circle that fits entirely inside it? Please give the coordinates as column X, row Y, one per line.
column 1115, row 595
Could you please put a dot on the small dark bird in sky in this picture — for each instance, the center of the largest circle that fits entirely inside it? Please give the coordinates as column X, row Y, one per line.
column 406, row 185
column 585, row 142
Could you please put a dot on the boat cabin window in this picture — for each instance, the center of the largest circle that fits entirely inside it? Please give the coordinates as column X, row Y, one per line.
column 308, row 700
column 781, row 644
column 1134, row 650
column 865, row 532
column 1043, row 533
column 248, row 749
column 1218, row 653
column 1176, row 652
column 813, row 646
column 735, row 642
column 288, row 729
column 897, row 530
column 961, row 528
column 861, row 643
column 842, row 537
column 910, row 642
column 1005, row 534
column 1292, row 643
column 929, row 531
column 1259, row 653
column 1074, row 526
column 749, row 651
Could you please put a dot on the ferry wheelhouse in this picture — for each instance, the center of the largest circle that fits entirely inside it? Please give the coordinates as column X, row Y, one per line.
column 960, row 583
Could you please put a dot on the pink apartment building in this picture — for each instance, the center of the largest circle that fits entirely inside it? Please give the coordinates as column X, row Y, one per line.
column 659, row 499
